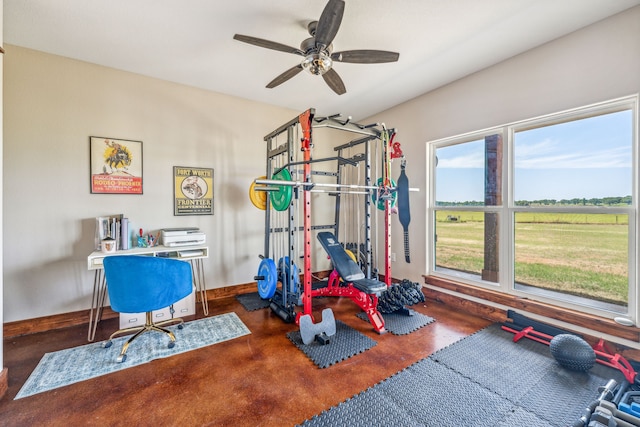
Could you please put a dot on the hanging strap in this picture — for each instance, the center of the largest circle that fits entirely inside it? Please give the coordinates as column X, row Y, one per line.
column 404, row 213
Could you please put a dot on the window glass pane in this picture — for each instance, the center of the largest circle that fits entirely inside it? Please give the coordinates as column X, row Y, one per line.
column 580, row 163
column 460, row 174
column 462, row 240
column 583, row 257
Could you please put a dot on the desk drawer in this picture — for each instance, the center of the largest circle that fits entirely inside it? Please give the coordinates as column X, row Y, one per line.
column 184, row 307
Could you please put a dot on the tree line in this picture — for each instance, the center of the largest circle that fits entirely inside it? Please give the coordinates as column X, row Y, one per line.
column 595, row 201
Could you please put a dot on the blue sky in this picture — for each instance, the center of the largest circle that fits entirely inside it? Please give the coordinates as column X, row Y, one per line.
column 589, row 158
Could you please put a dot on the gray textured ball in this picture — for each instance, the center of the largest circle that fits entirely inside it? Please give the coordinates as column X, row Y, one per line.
column 572, row 352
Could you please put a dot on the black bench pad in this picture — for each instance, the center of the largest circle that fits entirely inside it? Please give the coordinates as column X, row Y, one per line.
column 347, row 267
column 370, row 286
column 342, row 262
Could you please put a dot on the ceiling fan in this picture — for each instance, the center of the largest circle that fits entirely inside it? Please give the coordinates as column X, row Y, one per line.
column 317, row 50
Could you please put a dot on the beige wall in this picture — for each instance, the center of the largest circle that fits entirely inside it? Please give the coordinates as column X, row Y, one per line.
column 52, row 105
column 597, row 63
column 1, row 210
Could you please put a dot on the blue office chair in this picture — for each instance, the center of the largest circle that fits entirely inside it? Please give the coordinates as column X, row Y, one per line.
column 138, row 284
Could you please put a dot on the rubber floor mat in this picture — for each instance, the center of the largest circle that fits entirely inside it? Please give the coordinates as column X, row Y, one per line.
column 399, row 324
column 484, row 379
column 347, row 342
column 252, row 301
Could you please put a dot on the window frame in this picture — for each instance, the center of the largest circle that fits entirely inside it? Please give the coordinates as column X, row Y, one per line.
column 508, row 209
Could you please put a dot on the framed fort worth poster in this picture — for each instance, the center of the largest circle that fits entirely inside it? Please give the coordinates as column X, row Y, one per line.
column 193, row 191
column 116, row 166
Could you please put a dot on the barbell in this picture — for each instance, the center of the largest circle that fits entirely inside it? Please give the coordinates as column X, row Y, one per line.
column 279, row 190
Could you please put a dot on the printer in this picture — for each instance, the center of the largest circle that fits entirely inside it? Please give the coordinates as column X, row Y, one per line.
column 189, row 236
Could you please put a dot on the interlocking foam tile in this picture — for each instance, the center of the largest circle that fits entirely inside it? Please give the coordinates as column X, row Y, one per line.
column 345, row 343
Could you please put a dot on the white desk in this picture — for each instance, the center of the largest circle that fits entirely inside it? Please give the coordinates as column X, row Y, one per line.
column 193, row 254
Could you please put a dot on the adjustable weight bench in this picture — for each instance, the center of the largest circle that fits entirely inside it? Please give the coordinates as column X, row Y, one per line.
column 364, row 292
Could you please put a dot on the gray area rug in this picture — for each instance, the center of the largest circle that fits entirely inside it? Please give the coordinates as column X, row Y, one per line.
column 399, row 324
column 347, row 342
column 483, row 380
column 92, row 360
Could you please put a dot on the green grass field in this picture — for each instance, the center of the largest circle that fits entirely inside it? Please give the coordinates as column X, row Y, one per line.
column 577, row 254
column 540, row 217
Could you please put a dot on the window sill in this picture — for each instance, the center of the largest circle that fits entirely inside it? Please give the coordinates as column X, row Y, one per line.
column 595, row 323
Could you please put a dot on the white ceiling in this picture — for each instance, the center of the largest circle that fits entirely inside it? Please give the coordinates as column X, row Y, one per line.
column 191, row 42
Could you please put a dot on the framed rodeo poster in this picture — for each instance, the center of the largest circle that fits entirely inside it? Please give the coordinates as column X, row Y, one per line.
column 192, row 190
column 116, row 166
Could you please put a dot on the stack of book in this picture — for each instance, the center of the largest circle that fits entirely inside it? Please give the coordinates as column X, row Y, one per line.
column 114, row 226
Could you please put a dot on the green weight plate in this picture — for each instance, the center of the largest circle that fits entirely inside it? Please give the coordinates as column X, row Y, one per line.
column 394, row 195
column 268, row 274
column 281, row 199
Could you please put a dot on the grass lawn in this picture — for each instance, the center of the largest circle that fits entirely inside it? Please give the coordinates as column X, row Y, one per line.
column 576, row 254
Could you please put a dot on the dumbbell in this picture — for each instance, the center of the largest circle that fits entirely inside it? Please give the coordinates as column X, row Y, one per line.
column 606, row 393
column 607, row 415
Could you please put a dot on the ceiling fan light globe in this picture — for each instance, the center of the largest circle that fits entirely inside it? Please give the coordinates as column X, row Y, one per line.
column 317, row 63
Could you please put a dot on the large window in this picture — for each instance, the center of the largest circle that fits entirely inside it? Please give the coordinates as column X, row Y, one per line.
column 544, row 208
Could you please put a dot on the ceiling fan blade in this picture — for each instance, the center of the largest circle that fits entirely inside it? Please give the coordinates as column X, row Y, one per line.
column 365, row 56
column 285, row 76
column 268, row 44
column 334, row 81
column 329, row 23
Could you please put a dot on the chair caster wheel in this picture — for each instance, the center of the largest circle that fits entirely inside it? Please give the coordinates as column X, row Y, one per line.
column 180, row 326
column 171, row 344
column 106, row 344
column 121, row 358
